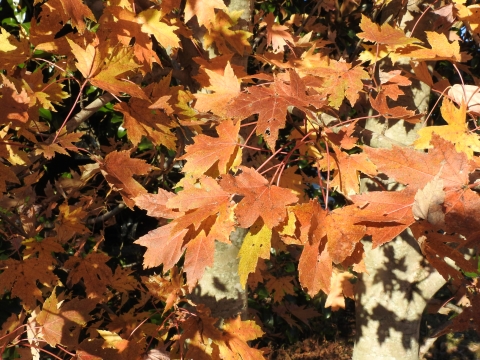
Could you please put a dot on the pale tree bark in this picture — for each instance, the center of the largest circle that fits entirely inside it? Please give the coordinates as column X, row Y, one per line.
column 392, row 295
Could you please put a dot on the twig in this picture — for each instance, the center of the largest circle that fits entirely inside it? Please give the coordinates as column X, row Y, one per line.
column 106, row 216
column 19, row 230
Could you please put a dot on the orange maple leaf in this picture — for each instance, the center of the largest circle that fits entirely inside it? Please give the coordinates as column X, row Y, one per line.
column 271, row 103
column 208, row 151
column 394, row 203
column 225, row 88
column 141, row 117
column 164, row 246
column 416, row 169
column 260, row 199
column 276, row 34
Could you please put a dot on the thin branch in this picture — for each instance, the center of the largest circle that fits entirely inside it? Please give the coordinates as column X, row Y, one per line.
column 19, row 230
column 106, row 216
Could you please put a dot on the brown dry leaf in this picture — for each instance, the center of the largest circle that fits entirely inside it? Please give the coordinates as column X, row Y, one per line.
column 62, row 321
column 469, row 94
column 93, row 270
column 119, row 169
column 280, row 286
column 429, row 201
column 21, row 278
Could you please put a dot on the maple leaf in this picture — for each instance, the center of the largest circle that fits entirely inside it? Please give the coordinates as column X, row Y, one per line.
column 384, row 34
column 102, row 65
column 434, row 245
column 21, row 277
column 340, row 81
column 168, row 289
column 208, row 151
column 347, row 177
column 429, row 201
column 74, row 12
column 221, row 34
column 11, row 328
column 118, row 169
column 164, row 33
column 260, row 199
column 462, row 211
column 271, row 103
column 456, row 131
column 236, row 335
column 276, row 34
column 68, row 222
column 204, row 10
column 397, row 204
column 255, row 245
column 341, row 287
column 92, row 269
column 441, row 49
column 125, row 25
column 156, row 204
column 315, row 268
column 141, row 117
column 163, row 247
column 199, row 256
column 12, row 51
column 7, row 175
column 15, row 102
column 416, row 169
column 280, row 286
column 225, row 88
column 62, row 321
column 380, row 104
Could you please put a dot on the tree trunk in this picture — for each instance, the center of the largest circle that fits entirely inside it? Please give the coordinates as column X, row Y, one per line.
column 392, row 295
column 390, row 300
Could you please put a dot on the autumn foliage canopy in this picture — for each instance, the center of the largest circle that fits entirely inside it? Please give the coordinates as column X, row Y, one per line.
column 210, row 147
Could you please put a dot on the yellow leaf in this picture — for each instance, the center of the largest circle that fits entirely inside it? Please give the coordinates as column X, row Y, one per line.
column 164, row 33
column 456, row 131
column 256, row 245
